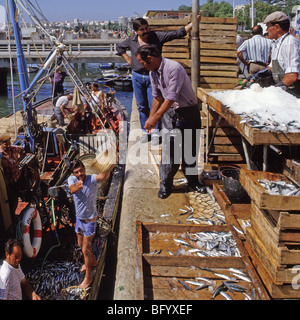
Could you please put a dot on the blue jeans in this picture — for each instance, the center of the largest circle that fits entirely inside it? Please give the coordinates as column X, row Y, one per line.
column 143, row 94
column 59, row 116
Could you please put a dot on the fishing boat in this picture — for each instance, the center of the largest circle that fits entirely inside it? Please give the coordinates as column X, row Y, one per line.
column 45, row 216
column 115, row 79
column 106, row 65
column 31, row 68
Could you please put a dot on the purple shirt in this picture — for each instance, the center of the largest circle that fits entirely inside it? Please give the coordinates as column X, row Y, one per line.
column 172, row 83
column 59, row 77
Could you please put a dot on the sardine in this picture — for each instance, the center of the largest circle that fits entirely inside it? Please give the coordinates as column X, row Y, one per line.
column 241, row 277
column 185, row 285
column 221, row 275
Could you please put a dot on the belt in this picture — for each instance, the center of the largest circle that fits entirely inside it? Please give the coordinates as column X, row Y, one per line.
column 143, row 72
column 264, row 64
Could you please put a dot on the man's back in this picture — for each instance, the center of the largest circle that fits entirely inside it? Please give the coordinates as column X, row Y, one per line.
column 257, row 48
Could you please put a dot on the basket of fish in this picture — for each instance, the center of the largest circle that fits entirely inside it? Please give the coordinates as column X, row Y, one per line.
column 176, row 261
column 271, row 191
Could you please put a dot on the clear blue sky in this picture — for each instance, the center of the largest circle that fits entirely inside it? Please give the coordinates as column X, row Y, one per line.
column 107, row 9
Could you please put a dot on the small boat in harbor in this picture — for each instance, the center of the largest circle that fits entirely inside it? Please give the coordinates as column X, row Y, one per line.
column 31, row 68
column 106, row 65
column 46, row 209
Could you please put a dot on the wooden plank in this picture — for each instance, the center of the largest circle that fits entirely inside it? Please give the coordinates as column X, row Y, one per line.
column 216, row 80
column 220, row 60
column 173, row 55
column 218, row 20
column 204, row 26
column 176, row 49
column 218, row 46
column 171, row 22
column 224, row 67
column 212, row 32
column 217, row 53
column 229, row 74
column 215, row 39
column 216, row 86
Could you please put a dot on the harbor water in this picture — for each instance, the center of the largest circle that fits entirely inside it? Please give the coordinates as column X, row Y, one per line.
column 88, row 72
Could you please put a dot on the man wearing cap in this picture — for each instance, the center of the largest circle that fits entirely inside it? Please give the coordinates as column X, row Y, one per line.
column 285, row 63
column 60, row 109
column 10, row 159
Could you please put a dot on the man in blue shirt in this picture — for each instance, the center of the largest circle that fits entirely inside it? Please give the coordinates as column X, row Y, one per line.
column 257, row 50
column 84, row 190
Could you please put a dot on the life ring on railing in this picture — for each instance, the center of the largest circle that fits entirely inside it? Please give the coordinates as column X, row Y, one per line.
column 31, row 215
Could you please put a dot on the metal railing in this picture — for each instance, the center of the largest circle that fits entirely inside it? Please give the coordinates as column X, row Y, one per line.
column 40, row 48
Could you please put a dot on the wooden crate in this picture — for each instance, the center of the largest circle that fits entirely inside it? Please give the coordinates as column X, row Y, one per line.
column 264, row 200
column 241, row 210
column 278, row 281
column 218, row 65
column 158, row 275
column 278, row 228
column 177, row 49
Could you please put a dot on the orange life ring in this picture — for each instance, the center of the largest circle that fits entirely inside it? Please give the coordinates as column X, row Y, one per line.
column 31, row 215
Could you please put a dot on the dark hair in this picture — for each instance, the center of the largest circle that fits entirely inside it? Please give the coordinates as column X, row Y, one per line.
column 284, row 25
column 95, row 84
column 148, row 50
column 11, row 243
column 76, row 164
column 138, row 22
column 257, row 30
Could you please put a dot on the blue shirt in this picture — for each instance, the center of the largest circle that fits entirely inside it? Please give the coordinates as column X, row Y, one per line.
column 85, row 199
column 257, row 49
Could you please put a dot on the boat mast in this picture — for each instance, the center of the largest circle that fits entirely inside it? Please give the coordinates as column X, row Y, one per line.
column 22, row 71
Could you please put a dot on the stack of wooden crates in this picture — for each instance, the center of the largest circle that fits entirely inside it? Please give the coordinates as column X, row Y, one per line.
column 273, row 240
column 218, row 65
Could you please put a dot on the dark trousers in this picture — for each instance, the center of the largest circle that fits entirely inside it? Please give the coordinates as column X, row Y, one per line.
column 180, row 145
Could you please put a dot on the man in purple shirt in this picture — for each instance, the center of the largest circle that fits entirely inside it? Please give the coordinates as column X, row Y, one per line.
column 174, row 101
column 140, row 75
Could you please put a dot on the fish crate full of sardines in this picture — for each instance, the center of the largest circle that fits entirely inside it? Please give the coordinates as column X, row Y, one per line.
column 195, row 262
column 271, row 191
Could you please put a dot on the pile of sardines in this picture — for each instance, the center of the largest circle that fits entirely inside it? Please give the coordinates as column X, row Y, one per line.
column 282, row 188
column 57, row 280
column 229, row 287
column 205, row 244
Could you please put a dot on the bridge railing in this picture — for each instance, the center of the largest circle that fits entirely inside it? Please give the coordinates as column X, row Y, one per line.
column 33, row 48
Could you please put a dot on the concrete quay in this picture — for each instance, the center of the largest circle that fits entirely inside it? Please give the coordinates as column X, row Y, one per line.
column 140, row 202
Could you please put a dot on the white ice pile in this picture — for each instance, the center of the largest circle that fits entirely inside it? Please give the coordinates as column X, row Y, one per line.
column 266, row 108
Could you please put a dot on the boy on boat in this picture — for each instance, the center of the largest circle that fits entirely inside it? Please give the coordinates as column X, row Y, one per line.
column 84, row 190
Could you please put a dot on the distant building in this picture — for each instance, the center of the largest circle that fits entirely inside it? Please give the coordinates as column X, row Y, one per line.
column 123, row 21
column 167, row 14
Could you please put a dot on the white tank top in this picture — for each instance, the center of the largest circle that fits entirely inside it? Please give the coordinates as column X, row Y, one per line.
column 96, row 97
